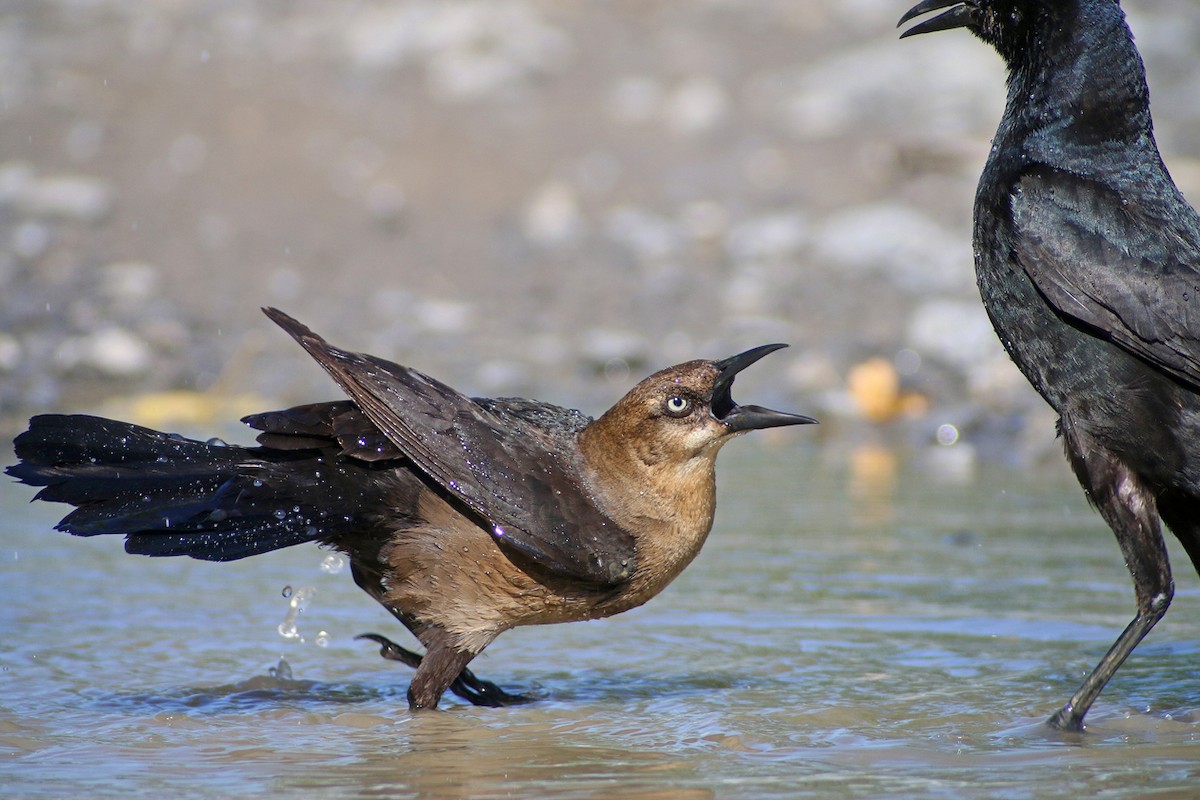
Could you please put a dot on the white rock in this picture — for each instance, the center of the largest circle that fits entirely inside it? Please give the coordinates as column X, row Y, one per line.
column 552, row 217
column 698, row 105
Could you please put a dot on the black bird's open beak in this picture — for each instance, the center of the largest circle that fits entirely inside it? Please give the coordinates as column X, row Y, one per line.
column 747, row 418
column 961, row 15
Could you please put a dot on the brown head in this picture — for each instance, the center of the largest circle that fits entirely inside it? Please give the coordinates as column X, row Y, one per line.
column 684, row 413
column 649, row 460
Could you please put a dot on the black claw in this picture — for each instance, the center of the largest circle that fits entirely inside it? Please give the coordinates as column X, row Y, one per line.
column 392, row 651
column 485, row 693
column 467, row 685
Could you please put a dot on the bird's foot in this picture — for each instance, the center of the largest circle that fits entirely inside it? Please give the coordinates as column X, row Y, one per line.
column 392, row 651
column 473, row 689
column 1066, row 720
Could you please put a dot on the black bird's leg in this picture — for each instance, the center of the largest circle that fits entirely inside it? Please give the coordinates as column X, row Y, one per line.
column 466, row 685
column 1130, row 510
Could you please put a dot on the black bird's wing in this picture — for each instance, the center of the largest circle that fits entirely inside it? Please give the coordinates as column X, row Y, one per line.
column 517, row 481
column 1128, row 269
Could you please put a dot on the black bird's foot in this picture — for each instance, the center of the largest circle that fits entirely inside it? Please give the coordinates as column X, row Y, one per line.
column 467, row 686
column 1066, row 720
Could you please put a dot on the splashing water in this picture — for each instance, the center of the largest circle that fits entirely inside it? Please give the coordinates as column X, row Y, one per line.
column 332, row 563
column 281, row 671
column 297, row 602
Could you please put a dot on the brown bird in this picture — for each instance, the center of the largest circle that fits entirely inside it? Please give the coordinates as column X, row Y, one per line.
column 464, row 517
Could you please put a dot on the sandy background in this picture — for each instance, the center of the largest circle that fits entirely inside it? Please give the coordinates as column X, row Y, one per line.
column 549, row 199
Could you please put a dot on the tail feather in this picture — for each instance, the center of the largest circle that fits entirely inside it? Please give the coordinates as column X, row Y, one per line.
column 174, row 496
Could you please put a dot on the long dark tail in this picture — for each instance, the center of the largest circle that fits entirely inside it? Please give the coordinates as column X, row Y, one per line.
column 173, row 496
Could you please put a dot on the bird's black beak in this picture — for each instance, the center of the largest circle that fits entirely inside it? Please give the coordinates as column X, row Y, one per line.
column 961, row 15
column 747, row 418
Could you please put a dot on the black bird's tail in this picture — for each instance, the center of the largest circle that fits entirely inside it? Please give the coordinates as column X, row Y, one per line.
column 172, row 496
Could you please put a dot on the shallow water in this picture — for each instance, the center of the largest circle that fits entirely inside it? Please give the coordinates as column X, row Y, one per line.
column 860, row 624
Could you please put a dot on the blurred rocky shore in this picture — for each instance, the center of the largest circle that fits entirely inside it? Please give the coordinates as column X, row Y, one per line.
column 547, row 198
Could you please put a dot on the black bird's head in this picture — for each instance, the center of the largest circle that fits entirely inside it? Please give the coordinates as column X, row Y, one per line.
column 687, row 411
column 1007, row 25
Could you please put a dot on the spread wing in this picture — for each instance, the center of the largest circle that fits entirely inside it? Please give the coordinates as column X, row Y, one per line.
column 524, row 489
column 1129, row 269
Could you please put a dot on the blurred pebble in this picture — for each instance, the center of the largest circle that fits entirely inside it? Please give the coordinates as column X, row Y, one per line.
column 603, row 346
column 72, row 197
column 902, row 246
column 772, row 236
column 112, row 351
column 645, row 234
column 956, row 332
column 128, row 282
column 31, row 239
column 552, row 217
column 444, row 316
column 10, row 352
column 695, row 107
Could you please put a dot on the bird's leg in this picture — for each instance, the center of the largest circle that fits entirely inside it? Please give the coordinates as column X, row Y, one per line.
column 466, row 685
column 1129, row 509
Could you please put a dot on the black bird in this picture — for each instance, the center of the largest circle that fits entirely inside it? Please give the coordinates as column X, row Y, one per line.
column 463, row 517
column 1088, row 263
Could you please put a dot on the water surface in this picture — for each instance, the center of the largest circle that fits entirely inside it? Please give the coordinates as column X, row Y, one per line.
column 860, row 624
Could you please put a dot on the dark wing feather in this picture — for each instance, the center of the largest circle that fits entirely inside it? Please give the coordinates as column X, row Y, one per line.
column 1126, row 269
column 313, row 425
column 523, row 487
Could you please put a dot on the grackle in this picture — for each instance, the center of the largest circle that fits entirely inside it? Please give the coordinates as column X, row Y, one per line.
column 463, row 517
column 1088, row 262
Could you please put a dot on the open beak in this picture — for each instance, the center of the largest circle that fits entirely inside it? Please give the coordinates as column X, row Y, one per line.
column 747, row 418
column 961, row 15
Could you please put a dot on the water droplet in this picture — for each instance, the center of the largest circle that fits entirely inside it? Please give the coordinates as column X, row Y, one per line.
column 332, row 563
column 287, row 591
column 280, row 513
column 217, row 441
column 947, row 435
column 322, row 639
column 297, row 602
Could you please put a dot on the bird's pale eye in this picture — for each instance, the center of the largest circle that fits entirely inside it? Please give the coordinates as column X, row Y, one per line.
column 677, row 406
